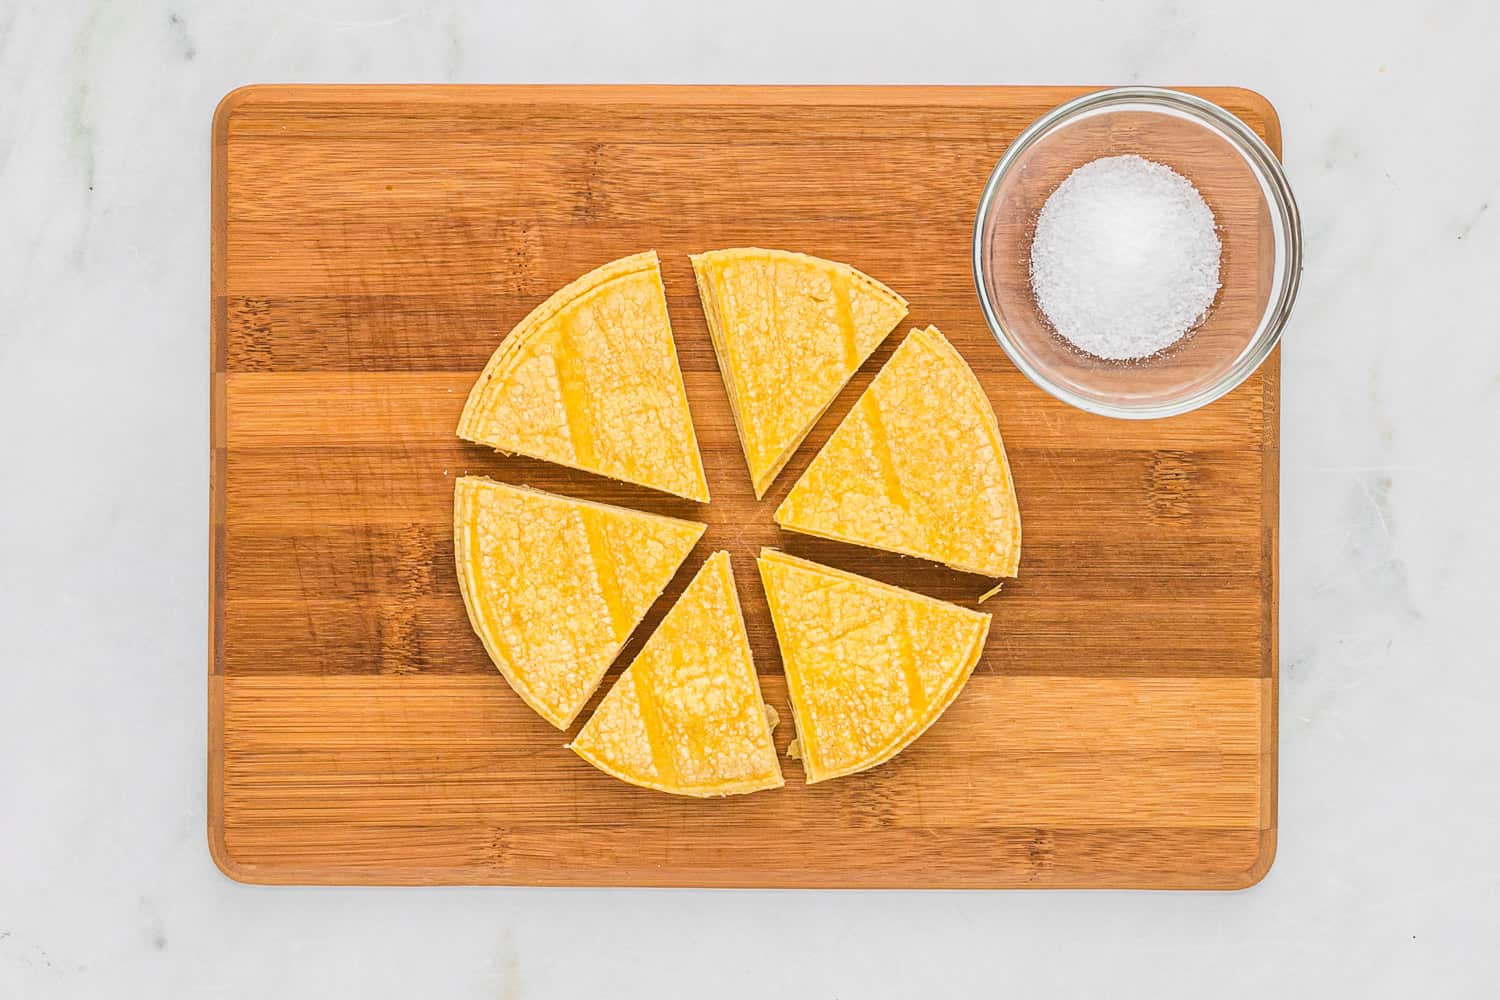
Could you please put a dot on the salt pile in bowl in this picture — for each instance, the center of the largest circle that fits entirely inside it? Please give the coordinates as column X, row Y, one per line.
column 1125, row 260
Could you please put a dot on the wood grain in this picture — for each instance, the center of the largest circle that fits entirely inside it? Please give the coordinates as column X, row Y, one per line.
column 370, row 247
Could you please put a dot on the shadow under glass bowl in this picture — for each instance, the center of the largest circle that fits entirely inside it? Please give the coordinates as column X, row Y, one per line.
column 1259, row 229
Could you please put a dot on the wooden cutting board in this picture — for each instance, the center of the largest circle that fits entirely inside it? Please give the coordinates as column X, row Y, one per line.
column 370, row 248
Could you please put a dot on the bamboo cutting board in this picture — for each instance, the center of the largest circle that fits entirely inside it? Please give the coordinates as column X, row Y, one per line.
column 370, row 248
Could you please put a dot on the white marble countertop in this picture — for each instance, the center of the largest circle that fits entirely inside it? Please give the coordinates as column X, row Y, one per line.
column 1387, row 878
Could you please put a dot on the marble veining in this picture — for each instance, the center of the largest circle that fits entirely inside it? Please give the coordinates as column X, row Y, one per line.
column 1386, row 879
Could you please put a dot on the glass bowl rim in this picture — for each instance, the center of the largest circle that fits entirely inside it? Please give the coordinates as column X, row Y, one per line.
column 1261, row 159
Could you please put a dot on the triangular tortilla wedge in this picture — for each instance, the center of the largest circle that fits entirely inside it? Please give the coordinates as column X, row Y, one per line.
column 590, row 380
column 868, row 666
column 789, row 331
column 555, row 586
column 687, row 716
column 917, row 467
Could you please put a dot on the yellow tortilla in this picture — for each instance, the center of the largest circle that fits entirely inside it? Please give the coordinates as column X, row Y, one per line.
column 917, row 467
column 555, row 586
column 789, row 330
column 590, row 380
column 868, row 666
column 687, row 717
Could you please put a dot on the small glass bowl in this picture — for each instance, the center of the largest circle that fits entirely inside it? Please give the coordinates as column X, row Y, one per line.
column 1259, row 269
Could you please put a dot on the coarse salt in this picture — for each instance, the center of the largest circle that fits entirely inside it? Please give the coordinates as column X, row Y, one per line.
column 1125, row 260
